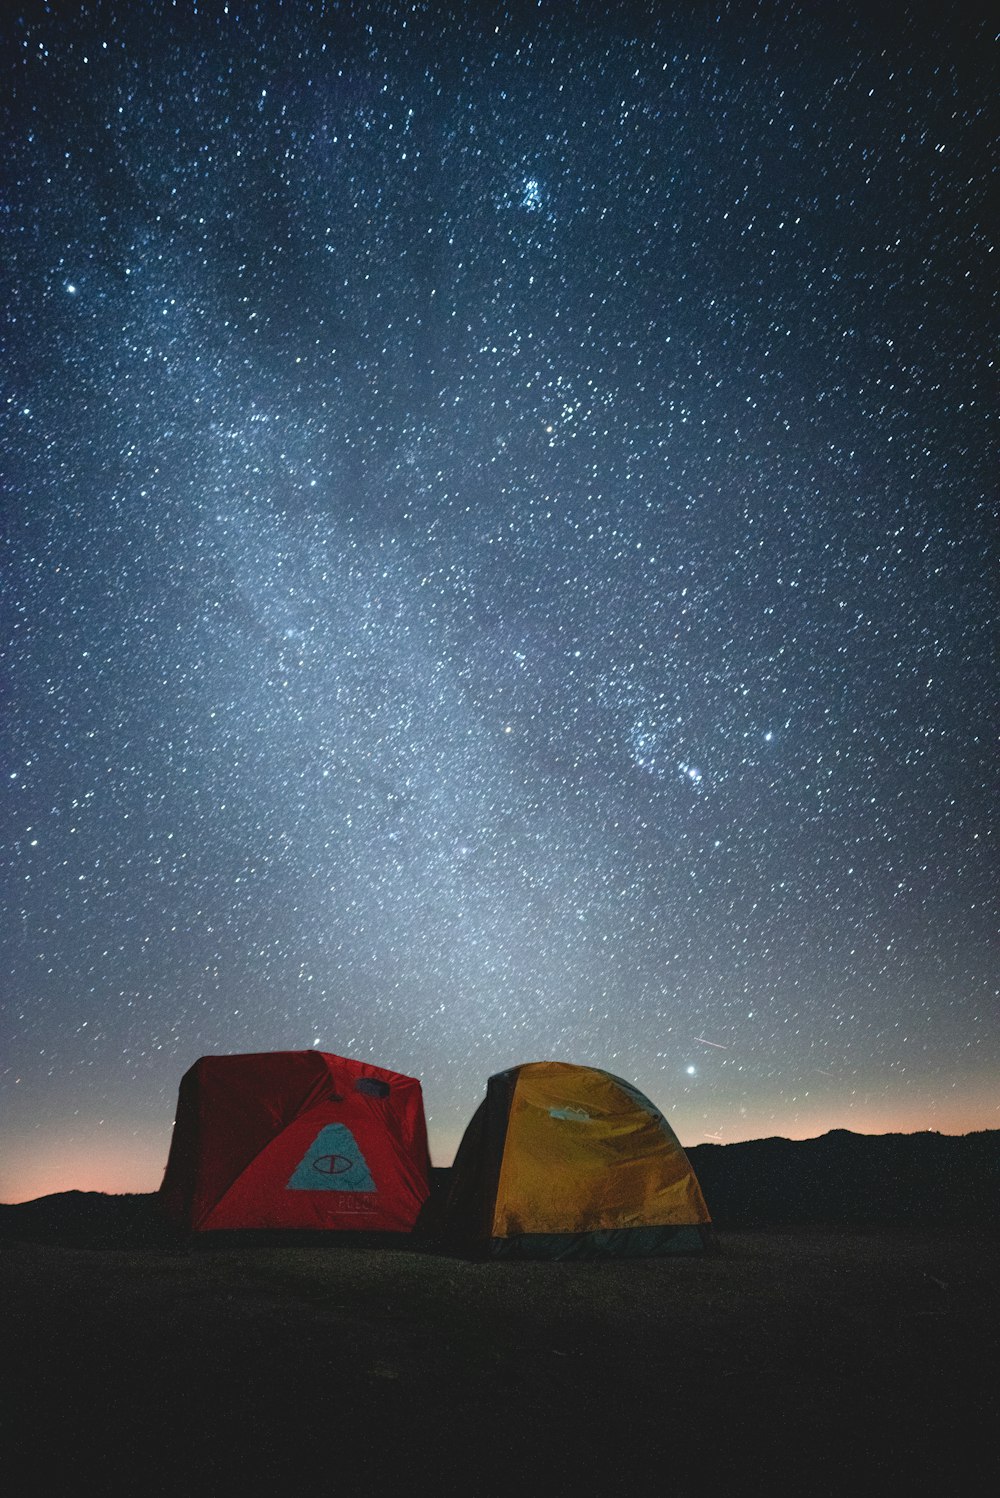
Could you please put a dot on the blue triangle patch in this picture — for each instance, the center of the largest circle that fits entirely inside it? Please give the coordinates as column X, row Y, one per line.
column 333, row 1162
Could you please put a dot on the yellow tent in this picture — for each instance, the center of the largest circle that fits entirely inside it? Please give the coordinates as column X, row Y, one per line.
column 563, row 1161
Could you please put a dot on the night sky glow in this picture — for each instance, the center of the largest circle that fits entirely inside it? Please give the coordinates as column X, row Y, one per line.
column 499, row 523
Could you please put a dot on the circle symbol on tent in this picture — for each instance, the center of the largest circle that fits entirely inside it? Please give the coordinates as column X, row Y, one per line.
column 332, row 1165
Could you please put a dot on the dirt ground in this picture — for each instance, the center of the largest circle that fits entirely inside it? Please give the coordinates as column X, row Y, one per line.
column 794, row 1360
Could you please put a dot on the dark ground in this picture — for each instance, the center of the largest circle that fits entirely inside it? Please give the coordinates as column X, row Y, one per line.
column 809, row 1358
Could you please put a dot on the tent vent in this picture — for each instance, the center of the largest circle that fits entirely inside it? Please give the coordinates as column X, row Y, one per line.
column 372, row 1087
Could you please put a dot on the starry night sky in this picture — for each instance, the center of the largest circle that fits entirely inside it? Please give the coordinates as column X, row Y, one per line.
column 499, row 560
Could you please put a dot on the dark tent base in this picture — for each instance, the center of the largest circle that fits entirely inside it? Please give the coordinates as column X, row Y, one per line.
column 613, row 1243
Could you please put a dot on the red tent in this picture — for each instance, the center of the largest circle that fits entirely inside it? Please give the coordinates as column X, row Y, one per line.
column 296, row 1139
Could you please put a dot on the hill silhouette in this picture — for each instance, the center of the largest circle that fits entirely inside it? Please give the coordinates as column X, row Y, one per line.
column 881, row 1180
column 923, row 1180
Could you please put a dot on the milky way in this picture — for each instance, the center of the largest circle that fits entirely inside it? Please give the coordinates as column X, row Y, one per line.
column 499, row 531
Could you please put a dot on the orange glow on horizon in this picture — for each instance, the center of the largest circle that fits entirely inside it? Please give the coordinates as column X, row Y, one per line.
column 116, row 1167
column 967, row 1115
column 36, row 1165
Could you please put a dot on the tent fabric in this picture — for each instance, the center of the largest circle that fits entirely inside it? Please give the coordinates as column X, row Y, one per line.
column 298, row 1140
column 569, row 1161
